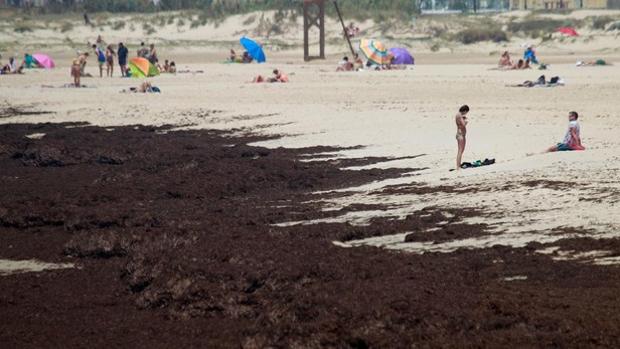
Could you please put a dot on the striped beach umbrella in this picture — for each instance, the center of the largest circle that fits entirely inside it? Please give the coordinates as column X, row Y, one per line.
column 375, row 51
column 142, row 68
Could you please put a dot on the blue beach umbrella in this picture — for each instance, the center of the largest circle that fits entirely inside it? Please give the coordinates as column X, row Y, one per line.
column 254, row 49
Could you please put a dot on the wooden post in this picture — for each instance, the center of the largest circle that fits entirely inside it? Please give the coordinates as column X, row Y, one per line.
column 316, row 19
column 344, row 28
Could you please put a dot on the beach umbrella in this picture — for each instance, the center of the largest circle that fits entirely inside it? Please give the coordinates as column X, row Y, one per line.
column 142, row 68
column 254, row 49
column 44, row 60
column 569, row 31
column 375, row 51
column 401, row 56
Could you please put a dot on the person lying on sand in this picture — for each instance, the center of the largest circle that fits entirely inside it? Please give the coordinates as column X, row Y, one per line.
column 345, row 65
column 77, row 67
column 542, row 82
column 145, row 87
column 505, row 61
column 572, row 139
column 278, row 76
column 461, row 133
column 598, row 62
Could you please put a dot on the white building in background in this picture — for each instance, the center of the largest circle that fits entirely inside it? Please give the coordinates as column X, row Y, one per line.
column 23, row 3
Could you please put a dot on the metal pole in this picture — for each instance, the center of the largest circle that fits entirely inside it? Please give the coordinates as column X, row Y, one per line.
column 344, row 29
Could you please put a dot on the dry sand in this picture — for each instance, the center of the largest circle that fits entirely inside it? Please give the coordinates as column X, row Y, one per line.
column 394, row 114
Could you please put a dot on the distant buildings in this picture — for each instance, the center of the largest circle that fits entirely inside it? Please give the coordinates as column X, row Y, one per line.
column 560, row 4
column 23, row 3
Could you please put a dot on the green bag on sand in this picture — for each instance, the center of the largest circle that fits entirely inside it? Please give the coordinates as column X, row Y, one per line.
column 542, row 66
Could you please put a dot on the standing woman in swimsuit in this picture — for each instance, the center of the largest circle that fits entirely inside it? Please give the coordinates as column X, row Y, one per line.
column 461, row 133
column 76, row 68
column 109, row 60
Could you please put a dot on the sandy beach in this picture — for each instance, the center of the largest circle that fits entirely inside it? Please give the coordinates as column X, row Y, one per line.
column 531, row 239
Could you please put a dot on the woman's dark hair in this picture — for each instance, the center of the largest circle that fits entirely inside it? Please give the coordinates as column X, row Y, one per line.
column 574, row 113
column 464, row 109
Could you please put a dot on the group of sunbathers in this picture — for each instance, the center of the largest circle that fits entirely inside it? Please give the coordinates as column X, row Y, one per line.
column 168, row 67
column 358, row 64
column 542, row 82
column 506, row 63
column 244, row 58
column 278, row 76
column 13, row 68
column 347, row 65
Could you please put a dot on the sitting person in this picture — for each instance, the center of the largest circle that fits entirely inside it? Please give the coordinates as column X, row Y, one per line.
column 345, row 65
column 358, row 64
column 278, row 76
column 519, row 65
column 172, row 69
column 505, row 60
column 12, row 67
column 234, row 58
column 246, row 58
column 530, row 54
column 527, row 64
column 572, row 139
column 29, row 62
column 165, row 68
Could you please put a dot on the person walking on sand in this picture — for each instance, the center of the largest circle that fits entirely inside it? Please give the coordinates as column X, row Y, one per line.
column 461, row 133
column 109, row 60
column 572, row 139
column 122, row 58
column 100, row 58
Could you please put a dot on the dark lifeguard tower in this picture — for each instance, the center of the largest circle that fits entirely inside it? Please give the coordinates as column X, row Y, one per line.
column 314, row 16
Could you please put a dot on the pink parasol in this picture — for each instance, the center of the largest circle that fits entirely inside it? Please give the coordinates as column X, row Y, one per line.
column 44, row 60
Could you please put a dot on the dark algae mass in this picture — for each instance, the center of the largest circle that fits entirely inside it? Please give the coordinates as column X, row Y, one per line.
column 174, row 240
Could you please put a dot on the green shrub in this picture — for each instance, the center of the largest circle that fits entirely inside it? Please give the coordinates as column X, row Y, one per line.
column 473, row 35
column 65, row 27
column 118, row 25
column 599, row 23
column 148, row 29
column 249, row 20
column 536, row 28
column 614, row 26
column 22, row 28
column 180, row 22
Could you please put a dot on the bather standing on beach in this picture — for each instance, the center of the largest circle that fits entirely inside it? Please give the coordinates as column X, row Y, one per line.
column 461, row 133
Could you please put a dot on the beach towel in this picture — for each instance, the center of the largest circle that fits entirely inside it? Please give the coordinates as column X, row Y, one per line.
column 477, row 163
